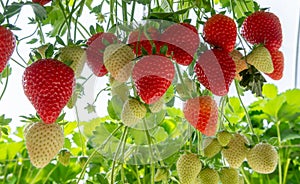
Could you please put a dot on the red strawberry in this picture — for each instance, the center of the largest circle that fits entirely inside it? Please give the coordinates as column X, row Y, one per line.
column 152, row 76
column 96, row 46
column 220, row 31
column 7, row 46
column 278, row 64
column 182, row 41
column 41, row 2
column 202, row 113
column 215, row 70
column 138, row 40
column 48, row 84
column 263, row 27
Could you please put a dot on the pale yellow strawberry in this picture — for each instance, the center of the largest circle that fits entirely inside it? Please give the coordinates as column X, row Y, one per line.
column 133, row 111
column 241, row 179
column 229, row 176
column 263, row 158
column 118, row 61
column 211, row 147
column 261, row 59
column 188, row 167
column 224, row 137
column 240, row 63
column 43, row 142
column 208, row 176
column 74, row 56
column 157, row 106
column 236, row 151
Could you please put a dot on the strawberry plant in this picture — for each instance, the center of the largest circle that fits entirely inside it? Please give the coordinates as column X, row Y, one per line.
column 145, row 92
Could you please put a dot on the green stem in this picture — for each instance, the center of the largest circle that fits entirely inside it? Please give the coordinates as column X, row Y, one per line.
column 20, row 173
column 116, row 155
column 6, row 83
column 279, row 159
column 111, row 10
column 66, row 20
column 245, row 176
column 286, row 168
column 80, row 133
column 149, row 140
column 244, row 108
column 42, row 38
column 36, row 176
column 132, row 11
column 49, row 174
column 18, row 63
column 124, row 11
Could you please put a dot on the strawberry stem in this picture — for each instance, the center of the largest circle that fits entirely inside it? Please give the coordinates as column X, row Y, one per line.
column 245, row 110
column 6, row 83
column 279, row 159
column 123, row 138
column 80, row 134
column 149, row 140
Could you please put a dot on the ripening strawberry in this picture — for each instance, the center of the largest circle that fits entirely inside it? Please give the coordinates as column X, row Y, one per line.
column 43, row 142
column 118, row 61
column 141, row 39
column 133, row 111
column 188, row 167
column 263, row 158
column 182, row 41
column 96, row 46
column 263, row 28
column 278, row 64
column 74, row 56
column 202, row 113
column 240, row 63
column 236, row 151
column 215, row 70
column 220, row 31
column 261, row 59
column 152, row 76
column 41, row 2
column 48, row 84
column 7, row 46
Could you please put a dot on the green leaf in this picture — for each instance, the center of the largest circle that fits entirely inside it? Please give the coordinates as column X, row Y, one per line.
column 114, row 107
column 39, row 11
column 160, row 134
column 269, row 91
column 289, row 136
column 78, row 139
column 70, row 127
column 292, row 97
column 273, row 106
column 4, row 121
column 89, row 127
column 13, row 9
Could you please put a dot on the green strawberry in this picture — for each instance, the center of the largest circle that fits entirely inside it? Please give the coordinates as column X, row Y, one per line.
column 64, row 157
column 261, row 59
column 229, row 176
column 224, row 138
column 133, row 111
column 263, row 158
column 118, row 61
column 236, row 151
column 211, row 147
column 208, row 176
column 188, row 167
column 43, row 141
column 74, row 56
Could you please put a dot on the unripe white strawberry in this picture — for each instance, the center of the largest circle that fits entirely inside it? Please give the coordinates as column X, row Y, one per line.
column 224, row 137
column 236, row 151
column 211, row 147
column 43, row 142
column 229, row 176
column 208, row 176
column 263, row 158
column 74, row 56
column 261, row 59
column 133, row 111
column 118, row 61
column 188, row 167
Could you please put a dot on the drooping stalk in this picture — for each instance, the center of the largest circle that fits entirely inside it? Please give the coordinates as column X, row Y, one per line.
column 279, row 159
column 80, row 134
column 6, row 83
column 149, row 140
column 116, row 154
